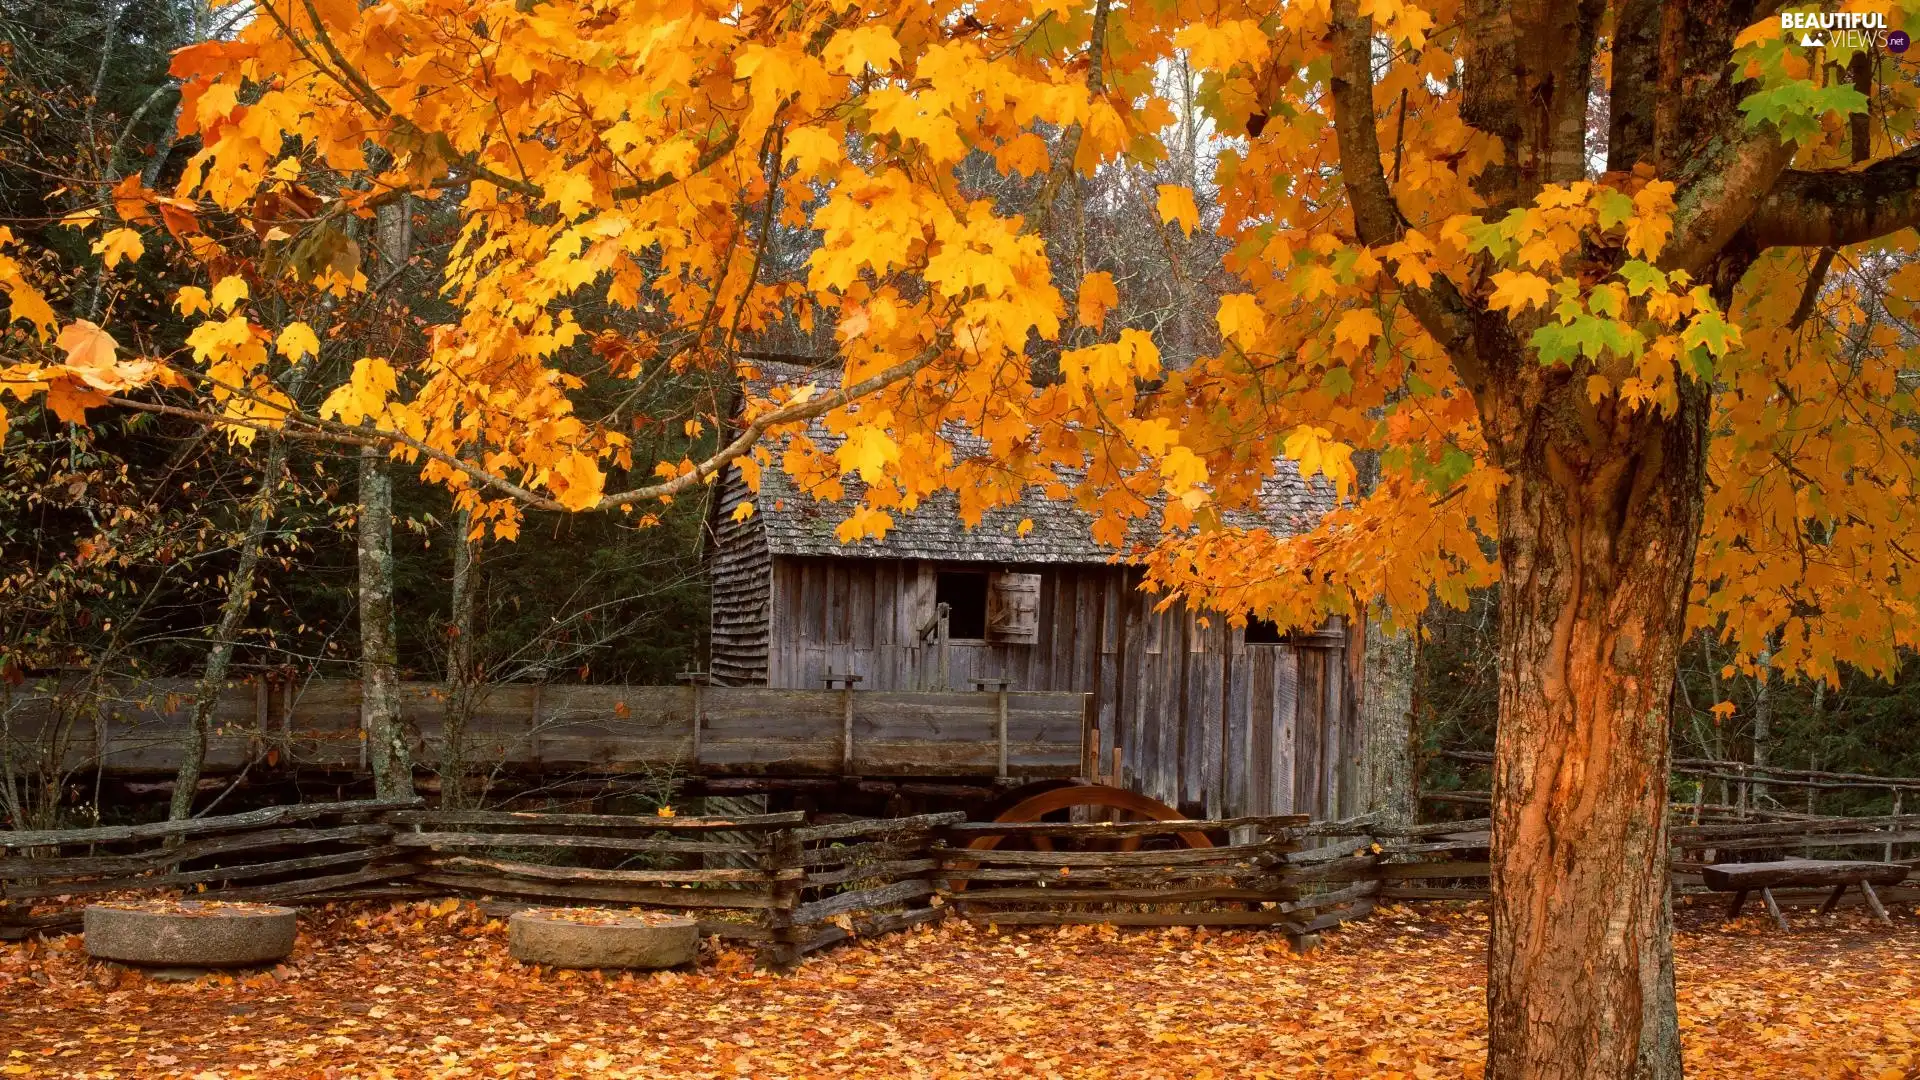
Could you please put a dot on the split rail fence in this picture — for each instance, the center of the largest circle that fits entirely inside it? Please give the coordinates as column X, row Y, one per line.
column 788, row 886
column 776, row 881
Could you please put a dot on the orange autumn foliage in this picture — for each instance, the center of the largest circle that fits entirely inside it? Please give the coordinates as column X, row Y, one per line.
column 601, row 152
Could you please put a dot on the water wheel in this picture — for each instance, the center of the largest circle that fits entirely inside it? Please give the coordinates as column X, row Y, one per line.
column 1131, row 806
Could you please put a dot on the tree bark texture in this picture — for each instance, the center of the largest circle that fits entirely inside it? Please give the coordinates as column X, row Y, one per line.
column 380, row 715
column 1386, row 707
column 382, row 721
column 1598, row 527
column 226, row 630
column 463, row 680
column 233, row 615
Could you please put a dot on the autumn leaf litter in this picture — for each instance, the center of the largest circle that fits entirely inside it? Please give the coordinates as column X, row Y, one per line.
column 427, row 990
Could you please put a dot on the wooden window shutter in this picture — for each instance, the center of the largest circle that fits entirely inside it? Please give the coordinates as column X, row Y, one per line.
column 1013, row 608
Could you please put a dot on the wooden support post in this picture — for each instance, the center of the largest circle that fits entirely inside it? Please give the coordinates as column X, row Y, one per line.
column 999, row 688
column 1833, row 901
column 1773, row 908
column 845, row 684
column 846, row 731
column 698, row 680
column 941, row 613
column 1739, row 901
column 1873, row 903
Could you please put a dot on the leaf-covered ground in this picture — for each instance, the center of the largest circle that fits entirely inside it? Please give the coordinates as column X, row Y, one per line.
column 424, row 991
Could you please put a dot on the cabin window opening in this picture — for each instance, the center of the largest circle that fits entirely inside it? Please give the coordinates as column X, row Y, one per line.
column 1263, row 632
column 965, row 595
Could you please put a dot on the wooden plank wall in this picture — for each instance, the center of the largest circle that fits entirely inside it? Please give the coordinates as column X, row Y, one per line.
column 740, row 598
column 1201, row 719
column 598, row 729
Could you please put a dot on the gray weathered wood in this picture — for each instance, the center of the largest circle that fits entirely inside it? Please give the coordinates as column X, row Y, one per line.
column 1728, row 877
column 239, row 872
column 878, row 826
column 22, row 868
column 1096, row 829
column 1266, row 853
column 501, row 884
column 438, row 840
column 641, row 822
column 546, row 872
column 842, row 903
column 253, row 819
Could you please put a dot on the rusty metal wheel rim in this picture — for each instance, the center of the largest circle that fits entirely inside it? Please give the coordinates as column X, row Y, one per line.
column 1038, row 806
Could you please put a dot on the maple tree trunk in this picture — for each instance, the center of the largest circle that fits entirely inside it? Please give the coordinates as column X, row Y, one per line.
column 380, row 716
column 1597, row 535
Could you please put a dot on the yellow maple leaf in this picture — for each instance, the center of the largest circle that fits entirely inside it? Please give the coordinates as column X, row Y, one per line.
column 1516, row 290
column 228, row 291
column 119, row 245
column 863, row 522
column 1356, row 329
column 298, row 340
column 364, row 396
column 1240, row 319
column 868, row 451
column 855, row 50
column 577, row 481
column 1098, row 295
column 1175, row 204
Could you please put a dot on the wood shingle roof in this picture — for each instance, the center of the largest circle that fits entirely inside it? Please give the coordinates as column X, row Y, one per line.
column 798, row 524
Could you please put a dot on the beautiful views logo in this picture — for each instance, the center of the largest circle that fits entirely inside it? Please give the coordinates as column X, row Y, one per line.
column 1844, row 30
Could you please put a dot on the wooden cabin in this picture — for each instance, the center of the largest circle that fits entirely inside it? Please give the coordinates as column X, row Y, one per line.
column 1216, row 720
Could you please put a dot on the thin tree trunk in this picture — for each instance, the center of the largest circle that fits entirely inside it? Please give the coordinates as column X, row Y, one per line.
column 462, row 679
column 380, row 717
column 1598, row 527
column 1389, row 662
column 385, row 727
column 233, row 615
column 1762, row 727
column 1386, row 704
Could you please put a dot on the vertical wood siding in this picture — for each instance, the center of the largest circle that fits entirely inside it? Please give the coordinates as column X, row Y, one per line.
column 1201, row 719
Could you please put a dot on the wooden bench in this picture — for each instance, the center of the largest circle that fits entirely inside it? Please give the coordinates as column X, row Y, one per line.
column 1838, row 874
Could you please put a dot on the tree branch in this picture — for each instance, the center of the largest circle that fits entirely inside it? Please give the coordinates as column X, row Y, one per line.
column 1841, row 206
column 786, row 414
column 1722, row 198
column 1441, row 308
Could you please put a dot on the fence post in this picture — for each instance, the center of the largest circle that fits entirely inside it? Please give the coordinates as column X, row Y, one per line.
column 1887, row 855
column 785, row 869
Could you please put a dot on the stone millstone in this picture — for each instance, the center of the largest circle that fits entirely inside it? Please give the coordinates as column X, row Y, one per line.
column 190, row 934
column 589, row 938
